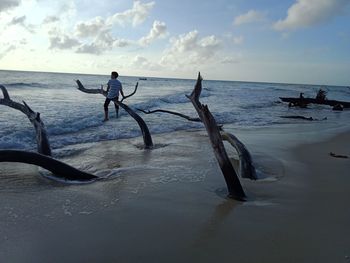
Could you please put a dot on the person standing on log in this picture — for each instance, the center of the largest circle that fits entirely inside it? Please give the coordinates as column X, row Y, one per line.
column 114, row 87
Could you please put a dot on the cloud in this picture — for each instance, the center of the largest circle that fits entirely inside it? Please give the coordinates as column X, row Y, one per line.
column 143, row 63
column 238, row 40
column 232, row 59
column 4, row 52
column 8, row 4
column 90, row 28
column 136, row 15
column 158, row 30
column 252, row 16
column 21, row 21
column 189, row 49
column 307, row 13
column 62, row 41
column 51, row 19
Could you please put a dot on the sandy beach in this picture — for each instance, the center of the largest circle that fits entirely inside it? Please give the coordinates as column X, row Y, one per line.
column 168, row 204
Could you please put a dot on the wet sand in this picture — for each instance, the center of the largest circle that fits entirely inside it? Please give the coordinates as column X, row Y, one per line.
column 169, row 205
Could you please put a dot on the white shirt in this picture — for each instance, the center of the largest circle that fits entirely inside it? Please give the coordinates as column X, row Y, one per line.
column 114, row 88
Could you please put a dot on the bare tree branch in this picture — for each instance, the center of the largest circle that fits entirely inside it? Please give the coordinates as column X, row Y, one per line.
column 43, row 144
column 128, row 96
column 147, row 138
column 246, row 167
column 172, row 112
column 233, row 184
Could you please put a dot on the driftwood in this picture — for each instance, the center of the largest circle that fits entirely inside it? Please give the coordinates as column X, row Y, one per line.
column 172, row 112
column 147, row 138
column 43, row 144
column 233, row 184
column 338, row 155
column 303, row 118
column 306, row 101
column 246, row 167
column 58, row 168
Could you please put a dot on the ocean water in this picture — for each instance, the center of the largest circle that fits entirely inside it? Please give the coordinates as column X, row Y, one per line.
column 73, row 117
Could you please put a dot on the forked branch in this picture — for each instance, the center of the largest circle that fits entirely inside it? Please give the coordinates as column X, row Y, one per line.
column 233, row 184
column 147, row 138
column 43, row 144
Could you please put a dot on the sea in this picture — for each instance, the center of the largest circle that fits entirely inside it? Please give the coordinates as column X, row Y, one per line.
column 73, row 117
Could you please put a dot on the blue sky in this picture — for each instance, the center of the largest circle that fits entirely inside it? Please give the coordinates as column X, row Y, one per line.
column 293, row 41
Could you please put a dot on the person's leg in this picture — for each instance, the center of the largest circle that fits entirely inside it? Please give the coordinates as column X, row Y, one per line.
column 105, row 106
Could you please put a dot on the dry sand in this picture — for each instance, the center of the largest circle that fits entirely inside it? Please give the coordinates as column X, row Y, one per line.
column 169, row 205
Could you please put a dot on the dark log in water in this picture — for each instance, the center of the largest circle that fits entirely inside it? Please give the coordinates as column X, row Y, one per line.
column 42, row 140
column 147, row 138
column 58, row 168
column 296, row 101
column 172, row 112
column 233, row 184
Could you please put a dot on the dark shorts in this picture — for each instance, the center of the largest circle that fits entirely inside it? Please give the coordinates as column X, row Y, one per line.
column 107, row 101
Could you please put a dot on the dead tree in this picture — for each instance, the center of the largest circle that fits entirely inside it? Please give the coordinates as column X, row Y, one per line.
column 58, row 168
column 43, row 144
column 246, row 167
column 233, row 184
column 147, row 138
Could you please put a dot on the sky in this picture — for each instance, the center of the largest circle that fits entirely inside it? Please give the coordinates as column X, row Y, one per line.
column 289, row 41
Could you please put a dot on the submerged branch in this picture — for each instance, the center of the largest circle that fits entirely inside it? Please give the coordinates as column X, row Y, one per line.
column 58, row 168
column 172, row 112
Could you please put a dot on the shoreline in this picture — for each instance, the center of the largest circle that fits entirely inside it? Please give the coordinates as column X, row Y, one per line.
column 158, row 206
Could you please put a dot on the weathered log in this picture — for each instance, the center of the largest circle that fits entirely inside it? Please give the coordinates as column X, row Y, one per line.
column 147, row 138
column 58, row 168
column 296, row 100
column 172, row 112
column 233, row 184
column 246, row 167
column 302, row 118
column 42, row 140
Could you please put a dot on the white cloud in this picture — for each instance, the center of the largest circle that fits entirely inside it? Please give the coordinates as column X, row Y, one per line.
column 189, row 49
column 59, row 40
column 238, row 40
column 252, row 16
column 51, row 19
column 8, row 4
column 136, row 15
column 21, row 21
column 90, row 28
column 158, row 30
column 141, row 62
column 306, row 13
column 8, row 49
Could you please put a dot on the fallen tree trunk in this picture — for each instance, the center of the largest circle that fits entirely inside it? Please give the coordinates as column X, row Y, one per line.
column 315, row 101
column 302, row 118
column 58, row 168
column 233, row 184
column 43, row 144
column 147, row 138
